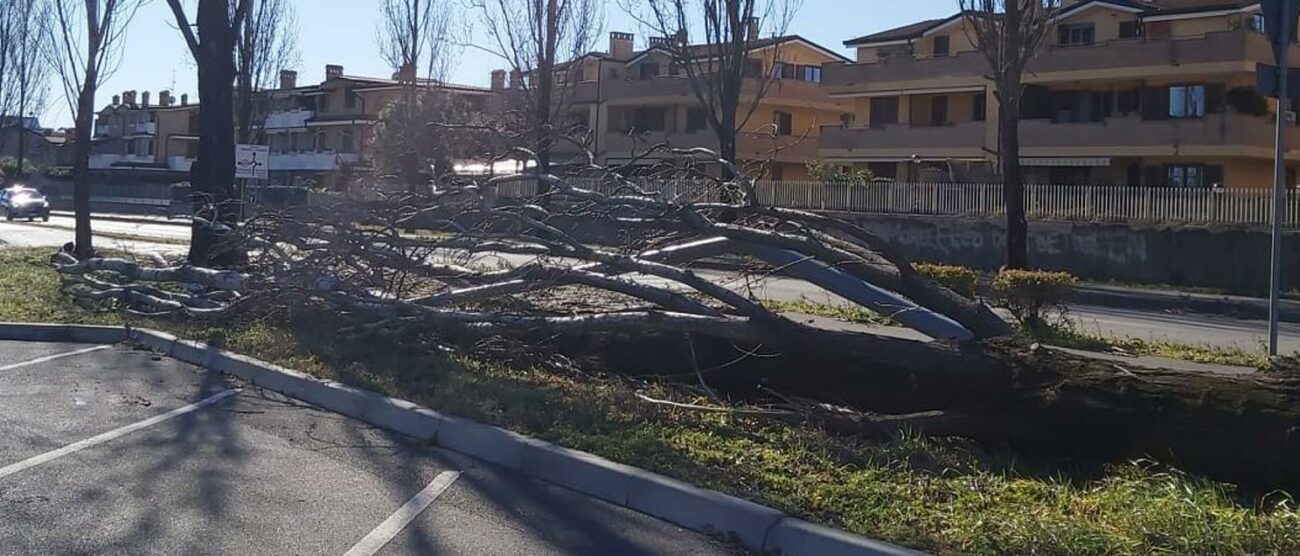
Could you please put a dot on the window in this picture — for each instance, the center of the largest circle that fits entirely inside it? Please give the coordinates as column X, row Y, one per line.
column 322, row 141
column 1193, row 175
column 579, row 74
column 347, row 142
column 753, row 68
column 1129, row 30
column 696, row 120
column 938, row 110
column 884, row 111
column 1257, row 23
column 350, row 99
column 650, row 119
column 1126, row 101
column 1187, row 101
column 323, row 103
column 812, row 74
column 649, row 70
column 782, row 70
column 846, row 119
column 784, row 123
column 941, row 46
column 1079, row 34
column 979, row 107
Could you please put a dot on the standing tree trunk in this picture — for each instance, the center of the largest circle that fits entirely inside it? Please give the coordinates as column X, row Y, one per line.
column 81, row 161
column 213, row 174
column 1013, row 187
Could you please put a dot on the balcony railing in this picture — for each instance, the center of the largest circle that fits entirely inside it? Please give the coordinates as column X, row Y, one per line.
column 108, row 160
column 290, row 119
column 311, row 161
column 1226, row 46
column 968, row 135
column 1077, row 203
column 750, row 146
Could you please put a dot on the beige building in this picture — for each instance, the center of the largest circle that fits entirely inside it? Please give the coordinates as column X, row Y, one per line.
column 318, row 133
column 633, row 99
column 1150, row 92
column 135, row 134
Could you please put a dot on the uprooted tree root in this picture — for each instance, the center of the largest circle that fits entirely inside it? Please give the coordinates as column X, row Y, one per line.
column 501, row 276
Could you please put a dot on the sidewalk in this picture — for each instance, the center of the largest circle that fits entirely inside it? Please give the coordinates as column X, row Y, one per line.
column 133, row 218
column 1175, row 301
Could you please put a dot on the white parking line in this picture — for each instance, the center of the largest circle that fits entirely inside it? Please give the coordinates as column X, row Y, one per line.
column 110, row 435
column 52, row 357
column 404, row 515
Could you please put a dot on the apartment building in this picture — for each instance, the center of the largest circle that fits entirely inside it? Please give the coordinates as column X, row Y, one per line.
column 633, row 99
column 320, row 133
column 1137, row 92
column 134, row 135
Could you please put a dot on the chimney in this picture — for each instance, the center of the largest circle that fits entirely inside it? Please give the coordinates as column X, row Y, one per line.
column 620, row 45
column 128, row 98
column 751, row 29
column 144, row 99
column 117, row 100
column 185, row 99
column 333, row 71
column 289, row 79
column 516, row 79
column 164, row 98
column 405, row 74
column 498, row 80
column 680, row 37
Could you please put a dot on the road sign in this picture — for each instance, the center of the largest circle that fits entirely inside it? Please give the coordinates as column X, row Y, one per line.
column 252, row 162
column 1266, row 81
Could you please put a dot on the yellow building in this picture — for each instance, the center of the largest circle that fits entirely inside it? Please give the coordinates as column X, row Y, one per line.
column 1150, row 92
column 633, row 99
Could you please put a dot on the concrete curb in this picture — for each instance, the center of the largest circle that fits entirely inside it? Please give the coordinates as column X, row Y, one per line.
column 1150, row 300
column 757, row 527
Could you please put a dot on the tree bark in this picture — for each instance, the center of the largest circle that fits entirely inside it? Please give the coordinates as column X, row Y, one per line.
column 213, row 173
column 1013, row 188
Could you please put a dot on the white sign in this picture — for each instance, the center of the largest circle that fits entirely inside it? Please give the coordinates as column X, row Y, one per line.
column 252, row 162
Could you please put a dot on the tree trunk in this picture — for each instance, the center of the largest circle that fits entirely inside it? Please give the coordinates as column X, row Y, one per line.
column 1013, row 188
column 81, row 166
column 213, row 173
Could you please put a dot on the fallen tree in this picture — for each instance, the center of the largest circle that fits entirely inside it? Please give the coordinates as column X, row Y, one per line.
column 462, row 262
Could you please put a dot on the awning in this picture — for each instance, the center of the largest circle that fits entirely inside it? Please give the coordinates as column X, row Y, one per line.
column 1075, row 162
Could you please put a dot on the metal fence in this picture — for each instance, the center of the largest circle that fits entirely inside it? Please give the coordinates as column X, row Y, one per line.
column 1086, row 203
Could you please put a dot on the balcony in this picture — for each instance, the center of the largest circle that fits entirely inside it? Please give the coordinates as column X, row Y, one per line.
column 142, row 128
column 964, row 140
column 291, row 119
column 1244, row 46
column 311, row 161
column 680, row 88
column 750, row 146
column 1121, row 136
column 104, row 161
column 179, row 163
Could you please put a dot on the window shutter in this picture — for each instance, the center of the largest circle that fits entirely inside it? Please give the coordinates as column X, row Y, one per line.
column 1155, row 102
column 1215, row 98
column 1213, row 176
column 1062, row 35
column 1154, row 176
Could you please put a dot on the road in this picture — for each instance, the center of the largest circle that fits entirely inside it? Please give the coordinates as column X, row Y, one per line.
column 1193, row 329
column 109, row 450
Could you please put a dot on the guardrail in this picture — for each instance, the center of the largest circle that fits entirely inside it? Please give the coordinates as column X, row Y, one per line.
column 1087, row 203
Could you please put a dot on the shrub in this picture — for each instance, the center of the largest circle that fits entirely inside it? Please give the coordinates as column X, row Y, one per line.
column 1035, row 298
column 956, row 278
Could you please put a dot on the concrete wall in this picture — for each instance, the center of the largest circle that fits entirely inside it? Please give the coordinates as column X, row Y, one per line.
column 1230, row 258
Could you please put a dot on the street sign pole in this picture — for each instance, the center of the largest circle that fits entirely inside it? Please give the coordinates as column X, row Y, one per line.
column 1281, row 19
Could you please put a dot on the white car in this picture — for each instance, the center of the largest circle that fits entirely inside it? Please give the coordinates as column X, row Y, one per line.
column 20, row 202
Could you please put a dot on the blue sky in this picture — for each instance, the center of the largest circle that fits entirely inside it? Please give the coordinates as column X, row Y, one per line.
column 343, row 31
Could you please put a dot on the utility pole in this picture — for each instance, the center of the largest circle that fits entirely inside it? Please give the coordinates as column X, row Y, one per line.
column 1280, row 21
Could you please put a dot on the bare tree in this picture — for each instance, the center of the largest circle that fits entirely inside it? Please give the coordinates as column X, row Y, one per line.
column 268, row 44
column 728, row 81
column 8, row 43
column 414, row 39
column 1010, row 33
column 86, row 38
column 213, row 173
column 26, row 64
column 534, row 37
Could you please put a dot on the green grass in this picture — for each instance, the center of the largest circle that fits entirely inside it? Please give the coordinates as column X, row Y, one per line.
column 942, row 495
column 1074, row 337
column 842, row 312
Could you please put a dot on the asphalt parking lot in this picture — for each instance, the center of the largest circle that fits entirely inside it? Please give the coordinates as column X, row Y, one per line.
column 111, row 450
